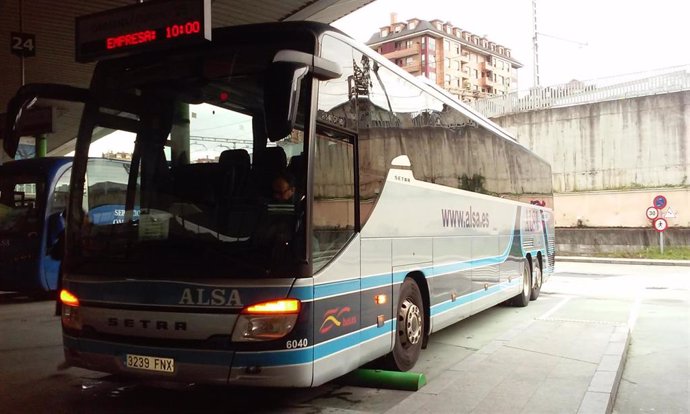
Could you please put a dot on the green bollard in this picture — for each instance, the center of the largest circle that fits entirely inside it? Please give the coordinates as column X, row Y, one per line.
column 377, row 378
column 41, row 146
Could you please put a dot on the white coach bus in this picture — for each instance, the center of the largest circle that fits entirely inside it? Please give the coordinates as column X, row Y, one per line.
column 399, row 213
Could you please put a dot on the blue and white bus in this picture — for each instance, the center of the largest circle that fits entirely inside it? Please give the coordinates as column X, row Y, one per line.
column 408, row 212
column 33, row 200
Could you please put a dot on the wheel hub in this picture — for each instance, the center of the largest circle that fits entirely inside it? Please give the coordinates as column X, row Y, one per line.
column 412, row 319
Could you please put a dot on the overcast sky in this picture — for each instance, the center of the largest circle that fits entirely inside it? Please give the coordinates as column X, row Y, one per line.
column 582, row 39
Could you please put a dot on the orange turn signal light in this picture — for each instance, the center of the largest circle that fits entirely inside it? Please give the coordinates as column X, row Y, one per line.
column 380, row 299
column 68, row 298
column 274, row 306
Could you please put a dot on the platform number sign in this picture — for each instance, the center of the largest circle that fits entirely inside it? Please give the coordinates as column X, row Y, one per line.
column 23, row 44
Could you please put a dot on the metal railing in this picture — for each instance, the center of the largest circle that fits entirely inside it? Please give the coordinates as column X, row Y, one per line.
column 667, row 80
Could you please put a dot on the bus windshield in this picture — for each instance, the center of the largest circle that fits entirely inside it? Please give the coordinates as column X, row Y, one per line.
column 203, row 190
column 19, row 206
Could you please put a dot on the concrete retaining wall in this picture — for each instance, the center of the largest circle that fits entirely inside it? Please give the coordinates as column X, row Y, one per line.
column 627, row 143
column 588, row 241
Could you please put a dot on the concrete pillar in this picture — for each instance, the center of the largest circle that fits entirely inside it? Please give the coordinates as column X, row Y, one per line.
column 179, row 135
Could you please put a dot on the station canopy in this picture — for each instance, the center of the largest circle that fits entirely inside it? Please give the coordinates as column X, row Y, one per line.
column 52, row 25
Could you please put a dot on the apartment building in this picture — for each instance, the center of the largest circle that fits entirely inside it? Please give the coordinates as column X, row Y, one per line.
column 465, row 64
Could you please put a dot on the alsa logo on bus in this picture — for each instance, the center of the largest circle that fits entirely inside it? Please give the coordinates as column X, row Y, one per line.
column 467, row 219
column 532, row 221
column 213, row 297
column 337, row 317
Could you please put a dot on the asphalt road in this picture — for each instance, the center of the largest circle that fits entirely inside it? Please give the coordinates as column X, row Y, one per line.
column 653, row 300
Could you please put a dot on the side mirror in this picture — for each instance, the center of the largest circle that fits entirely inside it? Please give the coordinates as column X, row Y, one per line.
column 282, row 88
column 281, row 97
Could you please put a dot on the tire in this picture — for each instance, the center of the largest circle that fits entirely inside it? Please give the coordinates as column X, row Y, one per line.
column 409, row 328
column 537, row 280
column 522, row 299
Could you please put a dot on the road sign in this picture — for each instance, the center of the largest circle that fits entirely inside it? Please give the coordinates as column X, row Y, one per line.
column 660, row 224
column 659, row 202
column 652, row 213
column 670, row 213
column 23, row 44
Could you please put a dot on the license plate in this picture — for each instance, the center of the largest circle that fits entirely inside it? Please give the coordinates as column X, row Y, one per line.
column 150, row 363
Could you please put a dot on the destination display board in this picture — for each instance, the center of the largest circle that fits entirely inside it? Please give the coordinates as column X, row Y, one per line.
column 143, row 27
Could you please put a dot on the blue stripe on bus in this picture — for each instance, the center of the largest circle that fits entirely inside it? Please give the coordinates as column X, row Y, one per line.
column 370, row 282
column 303, row 293
column 336, row 288
column 471, row 297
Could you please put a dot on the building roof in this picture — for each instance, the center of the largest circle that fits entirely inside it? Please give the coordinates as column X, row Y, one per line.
column 427, row 26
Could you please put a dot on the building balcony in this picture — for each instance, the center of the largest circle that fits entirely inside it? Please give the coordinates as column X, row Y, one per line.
column 485, row 81
column 412, row 67
column 465, row 57
column 402, row 53
column 487, row 67
column 455, row 90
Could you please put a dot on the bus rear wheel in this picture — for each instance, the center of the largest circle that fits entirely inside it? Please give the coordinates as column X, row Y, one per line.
column 409, row 328
column 537, row 280
column 522, row 299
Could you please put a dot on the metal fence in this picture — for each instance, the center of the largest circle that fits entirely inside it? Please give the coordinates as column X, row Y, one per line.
column 584, row 92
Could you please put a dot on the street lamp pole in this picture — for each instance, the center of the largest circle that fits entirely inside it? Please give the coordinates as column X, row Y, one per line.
column 535, row 43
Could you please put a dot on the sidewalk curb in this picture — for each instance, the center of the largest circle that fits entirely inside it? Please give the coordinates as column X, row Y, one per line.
column 602, row 391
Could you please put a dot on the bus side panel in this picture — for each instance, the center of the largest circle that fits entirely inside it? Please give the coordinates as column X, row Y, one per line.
column 465, row 230
column 377, row 282
column 451, row 283
column 20, row 264
column 533, row 233
column 550, row 235
column 337, row 327
column 511, row 268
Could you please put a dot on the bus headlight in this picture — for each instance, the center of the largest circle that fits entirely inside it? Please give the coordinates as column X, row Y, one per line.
column 266, row 321
column 71, row 317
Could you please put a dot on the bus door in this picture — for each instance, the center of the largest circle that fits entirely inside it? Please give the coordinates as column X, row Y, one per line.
column 335, row 249
column 56, row 211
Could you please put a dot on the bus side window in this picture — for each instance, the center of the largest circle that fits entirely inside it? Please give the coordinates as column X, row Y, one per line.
column 334, row 194
column 58, row 202
column 57, row 206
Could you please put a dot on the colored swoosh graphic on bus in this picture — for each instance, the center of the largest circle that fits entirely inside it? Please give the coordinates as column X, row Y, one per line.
column 331, row 319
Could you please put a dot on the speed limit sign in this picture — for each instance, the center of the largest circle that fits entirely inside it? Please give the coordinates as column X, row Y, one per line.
column 660, row 224
column 652, row 213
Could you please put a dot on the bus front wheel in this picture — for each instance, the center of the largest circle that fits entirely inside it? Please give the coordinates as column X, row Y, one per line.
column 409, row 328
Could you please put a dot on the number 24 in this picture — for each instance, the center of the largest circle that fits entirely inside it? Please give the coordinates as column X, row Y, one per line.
column 19, row 43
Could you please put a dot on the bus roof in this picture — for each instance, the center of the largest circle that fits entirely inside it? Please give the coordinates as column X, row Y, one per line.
column 38, row 166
